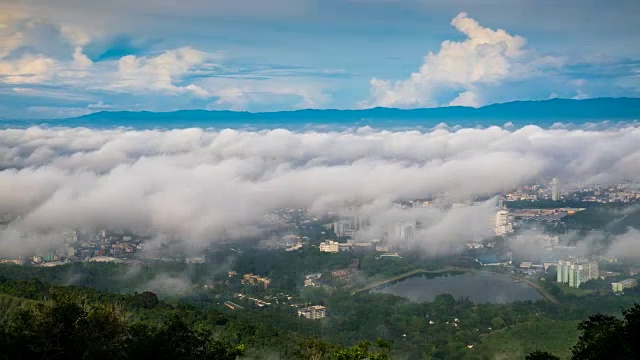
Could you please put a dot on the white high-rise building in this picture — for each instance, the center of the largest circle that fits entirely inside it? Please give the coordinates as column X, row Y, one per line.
column 555, row 189
column 503, row 223
column 350, row 225
column 403, row 231
column 576, row 271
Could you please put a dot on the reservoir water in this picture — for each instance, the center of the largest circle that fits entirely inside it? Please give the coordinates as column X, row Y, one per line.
column 479, row 287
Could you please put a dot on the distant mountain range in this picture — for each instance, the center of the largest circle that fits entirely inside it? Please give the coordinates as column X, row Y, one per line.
column 520, row 113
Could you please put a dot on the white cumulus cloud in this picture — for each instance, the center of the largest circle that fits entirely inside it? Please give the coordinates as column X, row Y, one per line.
column 161, row 72
column 35, row 50
column 486, row 57
column 29, row 69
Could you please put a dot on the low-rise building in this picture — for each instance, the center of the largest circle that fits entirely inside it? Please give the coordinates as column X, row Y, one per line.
column 344, row 247
column 195, row 260
column 313, row 312
column 105, row 259
column 624, row 284
column 343, row 273
column 394, row 255
column 608, row 259
column 607, row 274
column 312, row 279
column 53, row 263
column 17, row 261
column 362, row 244
column 493, row 260
column 526, row 265
column 255, row 279
column 329, row 246
column 382, row 248
column 294, row 247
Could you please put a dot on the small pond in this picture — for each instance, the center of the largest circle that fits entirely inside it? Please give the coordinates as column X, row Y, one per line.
column 478, row 286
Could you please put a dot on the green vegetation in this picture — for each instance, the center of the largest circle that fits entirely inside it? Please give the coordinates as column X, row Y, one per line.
column 608, row 337
column 75, row 323
column 15, row 304
column 515, row 342
column 541, row 355
column 577, row 304
column 566, row 290
column 68, row 326
column 316, row 349
column 611, row 218
column 415, row 330
column 446, row 328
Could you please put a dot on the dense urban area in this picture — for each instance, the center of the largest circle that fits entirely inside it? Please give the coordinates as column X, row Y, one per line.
column 325, row 282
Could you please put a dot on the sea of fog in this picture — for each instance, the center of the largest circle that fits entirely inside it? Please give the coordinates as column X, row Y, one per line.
column 205, row 185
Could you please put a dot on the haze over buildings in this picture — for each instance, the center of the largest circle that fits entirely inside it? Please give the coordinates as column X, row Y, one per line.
column 201, row 186
column 198, row 186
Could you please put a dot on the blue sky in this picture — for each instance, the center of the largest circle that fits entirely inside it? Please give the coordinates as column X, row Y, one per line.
column 62, row 58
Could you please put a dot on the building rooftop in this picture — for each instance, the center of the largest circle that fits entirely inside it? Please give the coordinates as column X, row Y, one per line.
column 627, row 282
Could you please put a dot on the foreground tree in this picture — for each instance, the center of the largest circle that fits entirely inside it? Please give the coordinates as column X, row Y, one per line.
column 315, row 349
column 66, row 327
column 607, row 337
column 70, row 327
column 604, row 337
column 541, row 355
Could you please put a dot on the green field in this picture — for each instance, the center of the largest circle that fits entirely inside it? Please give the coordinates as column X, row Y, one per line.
column 516, row 342
column 574, row 291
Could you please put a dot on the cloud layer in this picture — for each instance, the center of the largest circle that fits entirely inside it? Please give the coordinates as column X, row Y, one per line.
column 204, row 186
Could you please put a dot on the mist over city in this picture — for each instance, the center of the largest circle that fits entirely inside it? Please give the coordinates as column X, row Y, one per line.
column 202, row 186
column 318, row 180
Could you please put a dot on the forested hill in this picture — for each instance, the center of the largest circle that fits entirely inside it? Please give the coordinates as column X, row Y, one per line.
column 45, row 322
column 519, row 113
column 42, row 322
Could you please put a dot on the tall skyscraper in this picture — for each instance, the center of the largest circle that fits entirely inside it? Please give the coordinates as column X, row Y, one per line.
column 555, row 189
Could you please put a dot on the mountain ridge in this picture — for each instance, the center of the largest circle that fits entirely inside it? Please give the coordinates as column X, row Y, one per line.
column 519, row 113
column 635, row 101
